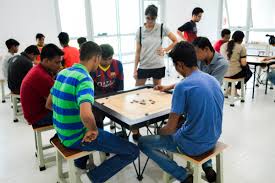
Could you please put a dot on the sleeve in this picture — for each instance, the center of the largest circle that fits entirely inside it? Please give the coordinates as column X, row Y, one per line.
column 120, row 78
column 243, row 52
column 166, row 30
column 138, row 35
column 178, row 100
column 186, row 27
column 220, row 71
column 85, row 91
column 45, row 89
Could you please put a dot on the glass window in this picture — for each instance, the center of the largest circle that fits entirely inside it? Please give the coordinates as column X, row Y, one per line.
column 113, row 41
column 237, row 11
column 128, row 44
column 104, row 17
column 72, row 17
column 263, row 13
column 129, row 16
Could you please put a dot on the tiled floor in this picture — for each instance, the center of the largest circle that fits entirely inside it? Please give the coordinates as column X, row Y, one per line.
column 248, row 129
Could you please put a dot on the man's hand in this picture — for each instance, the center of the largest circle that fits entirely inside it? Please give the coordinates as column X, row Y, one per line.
column 90, row 136
column 266, row 59
column 164, row 88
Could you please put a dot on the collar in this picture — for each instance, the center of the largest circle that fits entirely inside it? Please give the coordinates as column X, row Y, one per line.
column 80, row 66
column 104, row 68
column 214, row 59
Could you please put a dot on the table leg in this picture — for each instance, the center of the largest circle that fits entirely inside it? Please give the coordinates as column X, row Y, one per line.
column 254, row 77
column 266, row 81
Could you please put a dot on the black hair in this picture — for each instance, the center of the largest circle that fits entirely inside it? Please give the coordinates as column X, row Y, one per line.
column 151, row 10
column 89, row 50
column 32, row 49
column 64, row 38
column 11, row 42
column 50, row 51
column 81, row 40
column 107, row 50
column 225, row 32
column 202, row 43
column 39, row 36
column 236, row 37
column 196, row 11
column 184, row 52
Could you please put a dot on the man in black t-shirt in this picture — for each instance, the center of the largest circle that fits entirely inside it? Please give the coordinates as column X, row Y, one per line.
column 190, row 28
column 19, row 66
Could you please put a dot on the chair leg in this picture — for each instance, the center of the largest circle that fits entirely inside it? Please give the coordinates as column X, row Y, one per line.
column 242, row 90
column 197, row 174
column 102, row 156
column 166, row 177
column 59, row 166
column 3, row 92
column 72, row 173
column 40, row 151
column 219, row 168
column 14, row 103
column 232, row 94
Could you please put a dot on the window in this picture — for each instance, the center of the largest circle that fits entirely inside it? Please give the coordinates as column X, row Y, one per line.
column 263, row 14
column 72, row 17
column 237, row 12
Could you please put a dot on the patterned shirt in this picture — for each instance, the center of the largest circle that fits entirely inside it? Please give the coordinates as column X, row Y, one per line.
column 72, row 87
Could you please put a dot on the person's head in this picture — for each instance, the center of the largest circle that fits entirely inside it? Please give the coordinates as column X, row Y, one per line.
column 151, row 14
column 237, row 37
column 184, row 57
column 51, row 57
column 90, row 55
column 32, row 51
column 64, row 38
column 107, row 55
column 12, row 45
column 204, row 49
column 226, row 33
column 197, row 14
column 81, row 40
column 40, row 38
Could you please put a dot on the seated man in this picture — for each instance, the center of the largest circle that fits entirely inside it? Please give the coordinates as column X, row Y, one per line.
column 12, row 46
column 226, row 34
column 107, row 78
column 209, row 61
column 200, row 99
column 37, row 84
column 19, row 66
column 71, row 54
column 71, row 99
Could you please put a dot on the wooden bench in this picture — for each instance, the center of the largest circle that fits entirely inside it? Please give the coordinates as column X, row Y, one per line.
column 63, row 153
column 197, row 162
column 232, row 95
column 16, row 105
column 39, row 146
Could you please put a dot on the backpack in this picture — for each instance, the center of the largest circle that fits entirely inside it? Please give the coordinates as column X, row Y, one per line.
column 161, row 33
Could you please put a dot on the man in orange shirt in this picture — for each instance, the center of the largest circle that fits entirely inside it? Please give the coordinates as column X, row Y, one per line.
column 71, row 54
column 40, row 38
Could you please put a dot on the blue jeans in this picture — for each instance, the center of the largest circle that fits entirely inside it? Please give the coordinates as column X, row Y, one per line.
column 151, row 146
column 46, row 120
column 271, row 76
column 125, row 153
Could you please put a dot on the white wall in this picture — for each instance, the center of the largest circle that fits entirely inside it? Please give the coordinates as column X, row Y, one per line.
column 180, row 11
column 22, row 19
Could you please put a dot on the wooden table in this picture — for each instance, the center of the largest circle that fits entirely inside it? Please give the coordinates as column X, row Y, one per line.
column 136, row 108
column 257, row 61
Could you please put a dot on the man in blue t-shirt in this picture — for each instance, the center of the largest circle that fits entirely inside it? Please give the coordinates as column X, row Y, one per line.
column 200, row 99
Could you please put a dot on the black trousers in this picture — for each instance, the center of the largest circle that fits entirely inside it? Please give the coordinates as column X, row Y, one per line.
column 245, row 73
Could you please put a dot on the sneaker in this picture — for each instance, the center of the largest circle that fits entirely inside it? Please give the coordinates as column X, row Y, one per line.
column 189, row 179
column 210, row 174
column 136, row 136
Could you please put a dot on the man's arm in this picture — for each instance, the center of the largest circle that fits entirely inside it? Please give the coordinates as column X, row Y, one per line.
column 171, row 126
column 219, row 72
column 49, row 103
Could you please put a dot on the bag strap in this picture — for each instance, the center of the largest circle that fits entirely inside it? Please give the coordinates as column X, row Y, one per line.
column 161, row 33
column 140, row 33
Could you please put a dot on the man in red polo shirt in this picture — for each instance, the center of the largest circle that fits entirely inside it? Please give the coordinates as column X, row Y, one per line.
column 36, row 86
column 226, row 34
column 71, row 54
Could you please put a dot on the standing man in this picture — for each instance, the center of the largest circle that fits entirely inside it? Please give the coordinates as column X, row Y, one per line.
column 188, row 31
column 226, row 34
column 19, row 66
column 71, row 54
column 40, row 39
column 71, row 99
